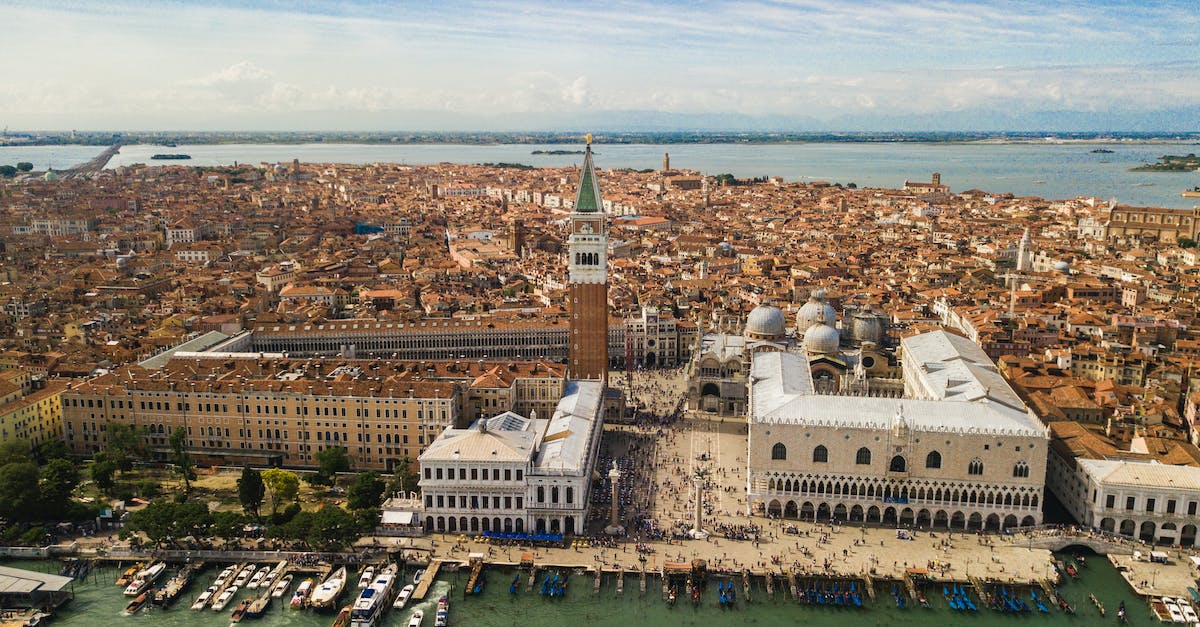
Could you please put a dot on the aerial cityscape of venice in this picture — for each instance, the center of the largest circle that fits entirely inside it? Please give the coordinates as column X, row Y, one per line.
column 521, row 313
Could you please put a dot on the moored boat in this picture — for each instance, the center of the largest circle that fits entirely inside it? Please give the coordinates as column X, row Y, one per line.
column 373, row 601
column 137, row 603
column 442, row 617
column 130, row 574
column 368, row 574
column 204, row 598
column 300, row 597
column 257, row 578
column 417, row 576
column 416, row 619
column 326, row 595
column 259, row 606
column 223, row 599
column 239, row 612
column 225, row 576
column 244, row 575
column 281, row 586
column 402, row 598
column 170, row 591
column 343, row 617
column 145, row 579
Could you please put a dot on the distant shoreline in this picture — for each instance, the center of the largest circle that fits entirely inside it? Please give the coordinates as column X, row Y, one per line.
column 181, row 138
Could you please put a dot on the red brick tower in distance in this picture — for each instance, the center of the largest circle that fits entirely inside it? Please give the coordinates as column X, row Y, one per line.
column 587, row 260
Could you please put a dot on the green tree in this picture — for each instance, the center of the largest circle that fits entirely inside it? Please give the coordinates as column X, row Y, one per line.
column 182, row 459
column 333, row 460
column 284, row 486
column 58, row 479
column 24, row 166
column 366, row 492
column 7, row 171
column 404, row 478
column 52, row 449
column 1186, row 242
column 166, row 521
column 104, row 471
column 19, row 490
column 227, row 525
column 333, row 528
column 123, row 444
column 14, row 451
column 251, row 491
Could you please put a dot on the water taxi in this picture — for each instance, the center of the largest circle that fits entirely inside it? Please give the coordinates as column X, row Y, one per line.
column 137, row 603
column 145, row 578
column 368, row 574
column 416, row 619
column 204, row 598
column 301, row 595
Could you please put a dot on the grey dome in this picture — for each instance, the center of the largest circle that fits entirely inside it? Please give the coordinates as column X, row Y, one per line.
column 1062, row 266
column 867, row 327
column 766, row 323
column 821, row 339
column 815, row 311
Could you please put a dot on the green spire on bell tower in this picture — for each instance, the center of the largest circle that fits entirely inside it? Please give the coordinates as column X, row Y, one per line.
column 587, row 200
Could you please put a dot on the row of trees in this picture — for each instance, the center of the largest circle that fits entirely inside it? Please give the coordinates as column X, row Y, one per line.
column 36, row 484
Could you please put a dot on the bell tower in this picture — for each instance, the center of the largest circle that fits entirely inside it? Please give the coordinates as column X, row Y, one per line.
column 587, row 262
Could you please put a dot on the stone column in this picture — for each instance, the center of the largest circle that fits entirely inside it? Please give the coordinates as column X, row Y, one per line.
column 614, row 523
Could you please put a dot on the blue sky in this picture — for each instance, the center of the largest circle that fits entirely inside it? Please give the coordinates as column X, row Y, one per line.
column 414, row 65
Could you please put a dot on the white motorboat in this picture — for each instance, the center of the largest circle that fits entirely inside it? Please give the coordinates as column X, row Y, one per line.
column 1189, row 614
column 281, row 587
column 402, row 598
column 204, row 598
column 300, row 597
column 144, row 579
column 257, row 578
column 416, row 619
column 225, row 597
column 244, row 576
column 225, row 576
column 368, row 574
column 373, row 601
column 417, row 576
column 326, row 594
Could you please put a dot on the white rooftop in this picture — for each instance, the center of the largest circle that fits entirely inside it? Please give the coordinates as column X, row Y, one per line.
column 953, row 368
column 576, row 423
column 782, row 392
column 1141, row 474
column 506, row 437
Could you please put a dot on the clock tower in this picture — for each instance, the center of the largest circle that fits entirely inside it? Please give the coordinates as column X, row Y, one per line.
column 587, row 262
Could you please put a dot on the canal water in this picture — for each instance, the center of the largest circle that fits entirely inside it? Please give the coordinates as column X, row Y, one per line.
column 98, row 602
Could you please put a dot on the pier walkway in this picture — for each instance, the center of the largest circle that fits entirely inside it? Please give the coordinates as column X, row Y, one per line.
column 427, row 580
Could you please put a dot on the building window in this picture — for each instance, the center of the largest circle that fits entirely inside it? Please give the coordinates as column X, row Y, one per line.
column 1021, row 470
column 1150, row 505
column 933, row 460
column 541, row 494
column 1110, row 501
column 779, row 451
column 863, row 457
column 1171, row 506
column 1129, row 503
column 975, row 467
column 897, row 464
column 1191, row 508
column 820, row 454
column 570, row 495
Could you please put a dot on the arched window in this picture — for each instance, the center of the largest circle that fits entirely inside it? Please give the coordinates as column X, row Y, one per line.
column 975, row 467
column 863, row 457
column 1021, row 470
column 897, row 464
column 933, row 460
column 821, row 454
column 779, row 451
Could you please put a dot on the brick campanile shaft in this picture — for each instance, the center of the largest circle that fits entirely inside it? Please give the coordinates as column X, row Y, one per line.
column 587, row 261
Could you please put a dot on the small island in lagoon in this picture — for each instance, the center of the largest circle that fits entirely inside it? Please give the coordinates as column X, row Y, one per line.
column 557, row 152
column 165, row 156
column 1172, row 163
